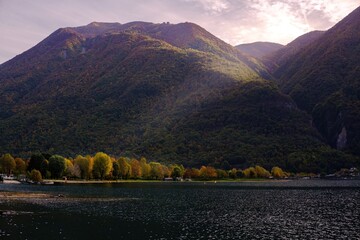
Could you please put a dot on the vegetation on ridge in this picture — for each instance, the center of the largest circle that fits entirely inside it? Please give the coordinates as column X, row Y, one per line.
column 140, row 92
column 323, row 79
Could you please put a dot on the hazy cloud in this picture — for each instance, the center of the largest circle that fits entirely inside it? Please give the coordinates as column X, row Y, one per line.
column 212, row 6
column 24, row 23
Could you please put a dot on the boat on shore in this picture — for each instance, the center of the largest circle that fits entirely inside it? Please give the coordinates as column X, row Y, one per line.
column 5, row 181
column 8, row 180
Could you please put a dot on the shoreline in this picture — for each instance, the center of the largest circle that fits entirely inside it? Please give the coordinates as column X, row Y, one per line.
column 57, row 181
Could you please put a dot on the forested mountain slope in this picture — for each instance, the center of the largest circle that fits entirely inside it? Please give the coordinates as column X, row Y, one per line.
column 324, row 80
column 167, row 92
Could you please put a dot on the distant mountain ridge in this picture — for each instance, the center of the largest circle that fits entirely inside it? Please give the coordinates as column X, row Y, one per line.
column 275, row 59
column 259, row 49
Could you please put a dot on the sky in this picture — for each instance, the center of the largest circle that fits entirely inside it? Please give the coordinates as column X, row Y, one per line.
column 24, row 23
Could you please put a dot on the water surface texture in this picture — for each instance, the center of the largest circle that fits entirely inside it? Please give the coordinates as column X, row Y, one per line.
column 311, row 209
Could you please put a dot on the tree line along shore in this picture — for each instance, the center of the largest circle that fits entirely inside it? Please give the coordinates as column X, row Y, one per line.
column 104, row 167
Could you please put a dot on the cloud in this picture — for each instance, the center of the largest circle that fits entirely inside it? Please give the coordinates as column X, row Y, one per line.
column 211, row 6
column 24, row 23
column 283, row 20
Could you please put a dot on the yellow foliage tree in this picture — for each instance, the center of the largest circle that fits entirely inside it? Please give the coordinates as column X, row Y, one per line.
column 250, row 173
column 277, row 172
column 262, row 172
column 156, row 170
column 102, row 165
column 145, row 168
column 69, row 168
column 83, row 165
column 7, row 163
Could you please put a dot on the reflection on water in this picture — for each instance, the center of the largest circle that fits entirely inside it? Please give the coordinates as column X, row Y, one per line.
column 272, row 210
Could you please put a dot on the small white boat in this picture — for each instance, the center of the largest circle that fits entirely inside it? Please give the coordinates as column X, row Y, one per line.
column 10, row 181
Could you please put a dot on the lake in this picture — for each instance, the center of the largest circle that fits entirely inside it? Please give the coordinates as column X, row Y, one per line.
column 300, row 209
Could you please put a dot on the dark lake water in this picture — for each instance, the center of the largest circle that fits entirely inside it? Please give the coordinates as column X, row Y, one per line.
column 304, row 209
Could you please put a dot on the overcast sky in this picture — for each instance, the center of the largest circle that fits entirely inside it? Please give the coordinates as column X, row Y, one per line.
column 24, row 23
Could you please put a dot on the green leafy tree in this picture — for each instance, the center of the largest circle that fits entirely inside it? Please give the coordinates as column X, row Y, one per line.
column 44, row 168
column 116, row 170
column 57, row 166
column 176, row 172
column 35, row 161
column 102, row 165
column 35, row 175
column 221, row 174
column 8, row 164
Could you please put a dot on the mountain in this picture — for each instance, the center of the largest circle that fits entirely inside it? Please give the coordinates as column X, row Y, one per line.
column 168, row 92
column 324, row 80
column 259, row 49
column 275, row 59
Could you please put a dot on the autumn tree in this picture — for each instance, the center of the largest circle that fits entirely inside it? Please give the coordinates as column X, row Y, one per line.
column 166, row 171
column 145, row 168
column 207, row 172
column 135, row 168
column 102, row 165
column 7, row 163
column 233, row 173
column 191, row 173
column 156, row 171
column 69, row 168
column 57, row 166
column 277, row 172
column 125, row 168
column 249, row 172
column 84, row 166
column 262, row 172
column 20, row 166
